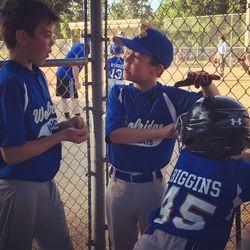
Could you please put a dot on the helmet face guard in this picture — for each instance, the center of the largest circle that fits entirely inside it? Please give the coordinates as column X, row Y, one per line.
column 179, row 129
column 216, row 127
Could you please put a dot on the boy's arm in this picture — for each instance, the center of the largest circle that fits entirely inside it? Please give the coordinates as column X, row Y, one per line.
column 133, row 135
column 117, row 130
column 210, row 90
column 73, row 130
column 17, row 154
column 245, row 155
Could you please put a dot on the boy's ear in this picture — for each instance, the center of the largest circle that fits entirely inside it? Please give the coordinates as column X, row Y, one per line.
column 157, row 70
column 160, row 70
column 21, row 37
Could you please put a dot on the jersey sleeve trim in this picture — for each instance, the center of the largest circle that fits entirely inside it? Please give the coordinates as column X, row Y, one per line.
column 170, row 107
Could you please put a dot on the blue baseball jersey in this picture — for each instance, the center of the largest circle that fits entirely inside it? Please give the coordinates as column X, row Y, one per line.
column 201, row 197
column 77, row 51
column 152, row 109
column 115, row 68
column 27, row 114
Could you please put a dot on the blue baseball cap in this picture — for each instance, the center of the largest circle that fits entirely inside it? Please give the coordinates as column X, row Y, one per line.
column 150, row 42
column 116, row 49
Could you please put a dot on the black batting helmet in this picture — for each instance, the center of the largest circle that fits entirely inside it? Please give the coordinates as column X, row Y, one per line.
column 216, row 127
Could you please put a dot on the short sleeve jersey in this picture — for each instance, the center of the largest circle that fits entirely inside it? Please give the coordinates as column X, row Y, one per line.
column 77, row 51
column 115, row 68
column 27, row 114
column 129, row 107
column 201, row 198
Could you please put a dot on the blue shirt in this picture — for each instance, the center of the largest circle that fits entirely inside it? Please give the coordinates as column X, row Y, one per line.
column 77, row 51
column 27, row 114
column 201, row 197
column 115, row 68
column 155, row 108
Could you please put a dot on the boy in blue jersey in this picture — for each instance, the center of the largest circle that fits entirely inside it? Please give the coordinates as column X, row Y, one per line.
column 206, row 184
column 140, row 132
column 68, row 82
column 115, row 66
column 30, row 136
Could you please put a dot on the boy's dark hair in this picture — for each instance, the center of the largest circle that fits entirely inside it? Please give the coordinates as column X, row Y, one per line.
column 25, row 15
column 223, row 38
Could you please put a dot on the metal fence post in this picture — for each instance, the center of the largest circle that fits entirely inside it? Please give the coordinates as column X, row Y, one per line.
column 97, row 98
column 247, row 23
column 238, row 227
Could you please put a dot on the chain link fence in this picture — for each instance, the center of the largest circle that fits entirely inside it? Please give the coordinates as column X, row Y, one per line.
column 74, row 177
column 193, row 27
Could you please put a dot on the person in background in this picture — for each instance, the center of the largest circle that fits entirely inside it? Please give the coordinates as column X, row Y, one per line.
column 30, row 135
column 221, row 53
column 115, row 65
column 140, row 133
column 206, row 185
column 245, row 60
column 68, row 80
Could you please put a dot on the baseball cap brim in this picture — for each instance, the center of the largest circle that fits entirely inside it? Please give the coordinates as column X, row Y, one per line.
column 131, row 44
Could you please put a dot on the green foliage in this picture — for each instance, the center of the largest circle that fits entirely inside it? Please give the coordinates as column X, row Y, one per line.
column 125, row 9
column 184, row 8
column 237, row 6
column 69, row 11
column 198, row 23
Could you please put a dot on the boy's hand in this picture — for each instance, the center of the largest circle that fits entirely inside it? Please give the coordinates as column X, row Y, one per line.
column 75, row 130
column 168, row 132
column 236, row 157
column 75, row 135
column 75, row 122
column 198, row 79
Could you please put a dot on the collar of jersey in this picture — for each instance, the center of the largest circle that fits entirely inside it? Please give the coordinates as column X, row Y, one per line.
column 18, row 66
column 143, row 99
column 137, row 91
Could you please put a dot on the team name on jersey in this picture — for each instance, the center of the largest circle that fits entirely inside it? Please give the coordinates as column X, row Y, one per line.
column 196, row 183
column 148, row 125
column 42, row 114
column 117, row 65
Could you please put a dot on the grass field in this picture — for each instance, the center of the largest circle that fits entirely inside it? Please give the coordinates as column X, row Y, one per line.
column 72, row 179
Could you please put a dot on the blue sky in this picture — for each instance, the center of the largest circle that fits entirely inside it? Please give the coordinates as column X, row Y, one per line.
column 154, row 3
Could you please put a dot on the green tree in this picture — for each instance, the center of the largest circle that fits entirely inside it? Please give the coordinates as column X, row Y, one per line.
column 238, row 6
column 128, row 9
column 69, row 11
column 200, row 22
column 184, row 8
